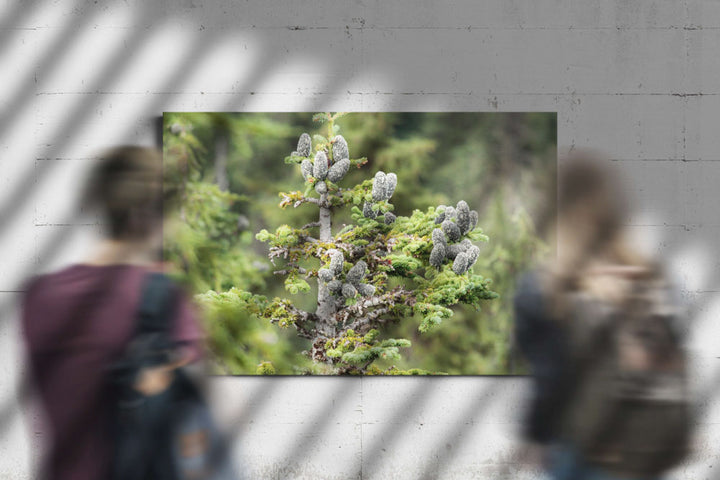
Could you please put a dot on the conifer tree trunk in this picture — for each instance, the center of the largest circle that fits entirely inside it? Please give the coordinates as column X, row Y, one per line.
column 326, row 304
column 325, row 220
column 221, row 158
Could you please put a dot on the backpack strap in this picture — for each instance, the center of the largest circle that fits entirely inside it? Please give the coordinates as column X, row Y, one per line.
column 157, row 305
column 152, row 340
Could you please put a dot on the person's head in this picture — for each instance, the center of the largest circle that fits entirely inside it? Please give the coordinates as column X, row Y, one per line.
column 127, row 186
column 590, row 203
column 588, row 224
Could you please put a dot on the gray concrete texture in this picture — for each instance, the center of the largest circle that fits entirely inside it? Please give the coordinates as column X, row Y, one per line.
column 639, row 80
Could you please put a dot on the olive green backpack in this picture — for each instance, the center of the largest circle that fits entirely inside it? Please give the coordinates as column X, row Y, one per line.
column 629, row 410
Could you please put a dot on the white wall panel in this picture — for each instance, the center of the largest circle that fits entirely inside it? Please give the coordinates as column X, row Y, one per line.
column 640, row 80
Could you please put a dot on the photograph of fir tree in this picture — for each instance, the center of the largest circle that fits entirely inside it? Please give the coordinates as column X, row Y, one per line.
column 357, row 243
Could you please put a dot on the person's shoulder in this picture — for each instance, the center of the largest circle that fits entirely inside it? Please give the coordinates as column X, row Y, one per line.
column 78, row 277
column 40, row 281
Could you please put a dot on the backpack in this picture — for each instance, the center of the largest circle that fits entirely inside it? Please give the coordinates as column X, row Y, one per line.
column 629, row 410
column 170, row 435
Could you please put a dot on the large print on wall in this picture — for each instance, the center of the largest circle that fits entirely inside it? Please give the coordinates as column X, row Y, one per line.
column 357, row 243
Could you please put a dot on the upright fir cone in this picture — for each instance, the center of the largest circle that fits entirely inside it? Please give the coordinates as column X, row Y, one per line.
column 438, row 237
column 340, row 148
column 463, row 216
column 437, row 255
column 441, row 216
column 451, row 230
column 325, row 275
column 449, row 213
column 473, row 253
column 335, row 286
column 356, row 274
column 473, row 219
column 306, row 167
column 336, row 261
column 348, row 290
column 461, row 263
column 304, row 146
column 366, row 290
column 378, row 188
column 454, row 249
column 321, row 187
column 320, row 166
column 368, row 211
column 390, row 184
column 338, row 171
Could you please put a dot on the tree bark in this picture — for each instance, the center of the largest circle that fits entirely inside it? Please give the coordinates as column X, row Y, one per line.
column 325, row 220
column 221, row 159
column 327, row 305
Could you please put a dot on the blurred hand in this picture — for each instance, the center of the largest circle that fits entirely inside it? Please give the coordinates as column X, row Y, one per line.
column 154, row 380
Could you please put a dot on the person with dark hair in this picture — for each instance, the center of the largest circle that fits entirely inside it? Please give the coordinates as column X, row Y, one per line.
column 599, row 326
column 79, row 320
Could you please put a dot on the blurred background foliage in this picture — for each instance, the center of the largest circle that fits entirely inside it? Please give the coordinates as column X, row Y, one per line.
column 226, row 170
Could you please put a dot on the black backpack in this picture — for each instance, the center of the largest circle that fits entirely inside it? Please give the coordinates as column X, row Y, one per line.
column 629, row 411
column 171, row 435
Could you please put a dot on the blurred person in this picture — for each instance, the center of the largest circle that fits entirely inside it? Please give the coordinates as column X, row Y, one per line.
column 80, row 320
column 600, row 329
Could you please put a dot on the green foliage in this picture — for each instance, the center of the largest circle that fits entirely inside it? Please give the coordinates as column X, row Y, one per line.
column 294, row 284
column 208, row 241
column 457, row 323
column 285, row 236
column 357, row 352
column 265, row 368
column 397, row 248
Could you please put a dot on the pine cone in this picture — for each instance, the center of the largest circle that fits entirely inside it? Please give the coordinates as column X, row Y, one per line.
column 368, row 211
column 366, row 290
column 335, row 286
column 336, row 261
column 378, row 189
column 325, row 275
column 463, row 216
column 473, row 253
column 338, row 171
column 441, row 216
column 449, row 213
column 451, row 230
column 390, row 184
column 304, row 146
column 306, row 167
column 461, row 263
column 437, row 255
column 473, row 220
column 340, row 149
column 356, row 274
column 348, row 291
column 321, row 187
column 455, row 249
column 320, row 167
column 438, row 237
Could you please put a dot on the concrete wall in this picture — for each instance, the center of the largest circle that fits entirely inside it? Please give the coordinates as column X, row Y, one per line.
column 640, row 80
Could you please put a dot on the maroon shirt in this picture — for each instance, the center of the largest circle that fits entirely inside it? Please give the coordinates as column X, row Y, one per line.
column 76, row 323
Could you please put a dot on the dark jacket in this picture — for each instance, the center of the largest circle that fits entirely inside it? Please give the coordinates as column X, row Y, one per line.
column 545, row 345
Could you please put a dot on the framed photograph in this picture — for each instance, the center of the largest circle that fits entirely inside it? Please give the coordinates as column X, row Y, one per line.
column 357, row 243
